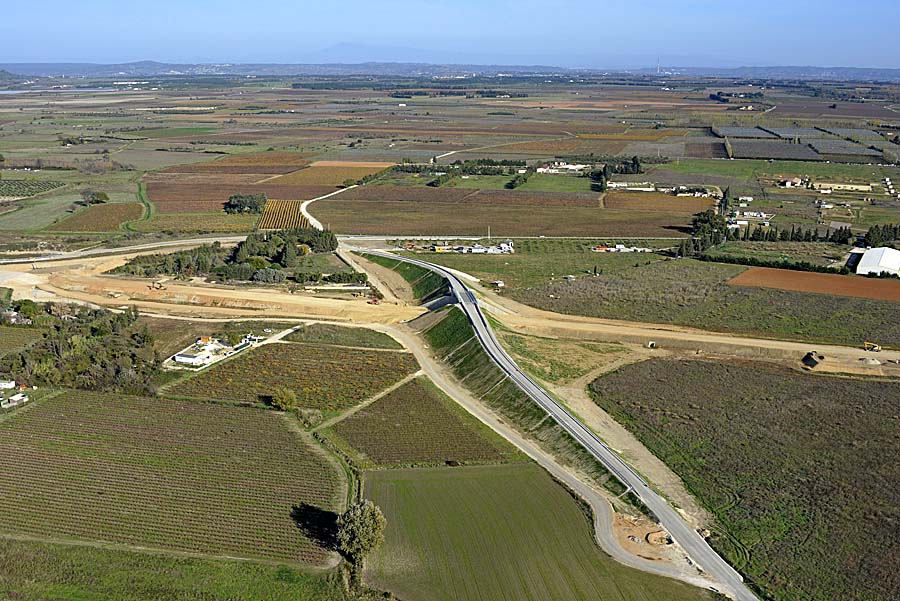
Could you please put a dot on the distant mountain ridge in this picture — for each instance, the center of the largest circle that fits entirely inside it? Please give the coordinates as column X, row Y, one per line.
column 11, row 71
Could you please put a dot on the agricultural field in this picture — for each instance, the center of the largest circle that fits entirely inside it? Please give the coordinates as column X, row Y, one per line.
column 556, row 360
column 329, row 173
column 323, row 377
column 820, row 283
column 817, row 253
column 37, row 570
column 418, row 425
column 282, row 215
column 16, row 189
column 652, row 201
column 792, row 465
column 106, row 217
column 402, row 218
column 13, row 339
column 174, row 197
column 326, row 333
column 470, row 533
column 198, row 223
column 37, row 213
column 173, row 475
column 773, row 149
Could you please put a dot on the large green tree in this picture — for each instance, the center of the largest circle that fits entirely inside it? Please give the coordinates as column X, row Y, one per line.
column 360, row 530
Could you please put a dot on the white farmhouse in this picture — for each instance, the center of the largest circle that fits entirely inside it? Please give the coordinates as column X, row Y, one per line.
column 879, row 260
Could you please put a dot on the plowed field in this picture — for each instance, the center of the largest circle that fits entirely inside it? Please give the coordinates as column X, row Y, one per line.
column 819, row 283
column 652, row 201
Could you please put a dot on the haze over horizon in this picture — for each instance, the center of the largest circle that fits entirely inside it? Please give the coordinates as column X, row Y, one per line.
column 567, row 33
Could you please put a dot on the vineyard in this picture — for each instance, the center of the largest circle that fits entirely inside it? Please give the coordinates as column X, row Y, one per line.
column 326, row 333
column 100, row 218
column 204, row 222
column 417, row 424
column 270, row 163
column 323, row 377
column 185, row 476
column 174, row 197
column 15, row 189
column 282, row 215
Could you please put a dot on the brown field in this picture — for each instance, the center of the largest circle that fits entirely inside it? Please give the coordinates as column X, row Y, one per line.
column 282, row 214
column 188, row 198
column 317, row 175
column 100, row 218
column 653, row 201
column 705, row 150
column 418, row 194
column 638, row 135
column 266, row 158
column 198, row 222
column 819, row 283
column 272, row 163
column 438, row 218
column 565, row 146
column 207, row 178
column 361, row 164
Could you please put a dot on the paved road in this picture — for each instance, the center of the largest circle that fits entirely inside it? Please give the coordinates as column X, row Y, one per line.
column 730, row 582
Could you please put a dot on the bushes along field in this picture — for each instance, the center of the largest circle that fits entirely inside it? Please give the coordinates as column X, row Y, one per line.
column 797, row 468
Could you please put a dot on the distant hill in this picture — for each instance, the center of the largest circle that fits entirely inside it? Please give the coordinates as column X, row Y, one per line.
column 7, row 76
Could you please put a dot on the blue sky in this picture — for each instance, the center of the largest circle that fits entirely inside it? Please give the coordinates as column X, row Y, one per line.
column 594, row 33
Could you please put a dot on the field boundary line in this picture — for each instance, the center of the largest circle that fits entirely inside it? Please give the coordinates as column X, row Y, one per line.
column 377, row 396
column 313, row 222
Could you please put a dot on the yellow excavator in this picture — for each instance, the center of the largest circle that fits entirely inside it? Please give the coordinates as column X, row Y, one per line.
column 871, row 346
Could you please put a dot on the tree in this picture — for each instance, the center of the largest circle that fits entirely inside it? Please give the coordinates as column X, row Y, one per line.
column 284, row 399
column 289, row 255
column 360, row 530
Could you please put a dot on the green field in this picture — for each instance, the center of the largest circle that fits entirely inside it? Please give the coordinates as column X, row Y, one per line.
column 160, row 474
column 36, row 570
column 537, row 262
column 417, row 424
column 817, row 253
column 798, row 469
column 15, row 339
column 37, row 213
column 326, row 333
column 499, row 533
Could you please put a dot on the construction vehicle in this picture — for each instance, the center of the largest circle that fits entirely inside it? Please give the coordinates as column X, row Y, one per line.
column 871, row 347
column 373, row 301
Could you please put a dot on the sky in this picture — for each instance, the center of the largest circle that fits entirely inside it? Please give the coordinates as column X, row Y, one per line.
column 568, row 33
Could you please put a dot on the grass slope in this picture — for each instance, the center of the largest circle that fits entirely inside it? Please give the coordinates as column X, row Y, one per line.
column 496, row 532
column 799, row 469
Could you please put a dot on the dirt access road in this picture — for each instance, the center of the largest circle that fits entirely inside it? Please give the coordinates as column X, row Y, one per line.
column 81, row 280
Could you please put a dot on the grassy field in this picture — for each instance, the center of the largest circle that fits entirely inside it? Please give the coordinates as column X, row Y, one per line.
column 36, row 570
column 796, row 468
column 538, row 262
column 496, row 532
column 751, row 168
column 554, row 360
column 818, row 253
column 695, row 293
column 323, row 333
column 425, row 283
column 417, row 425
column 173, row 475
column 37, row 213
column 323, row 377
column 14, row 339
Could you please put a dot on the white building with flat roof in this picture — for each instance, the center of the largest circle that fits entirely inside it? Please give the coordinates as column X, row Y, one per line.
column 879, row 260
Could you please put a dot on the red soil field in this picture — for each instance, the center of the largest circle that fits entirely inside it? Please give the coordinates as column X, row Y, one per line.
column 819, row 283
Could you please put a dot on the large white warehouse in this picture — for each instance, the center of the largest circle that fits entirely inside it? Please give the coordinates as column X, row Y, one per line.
column 879, row 260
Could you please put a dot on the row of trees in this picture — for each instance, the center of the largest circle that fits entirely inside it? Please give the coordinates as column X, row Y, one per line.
column 259, row 258
column 883, row 235
column 520, row 178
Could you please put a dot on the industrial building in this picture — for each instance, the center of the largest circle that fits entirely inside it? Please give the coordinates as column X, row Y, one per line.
column 879, row 260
